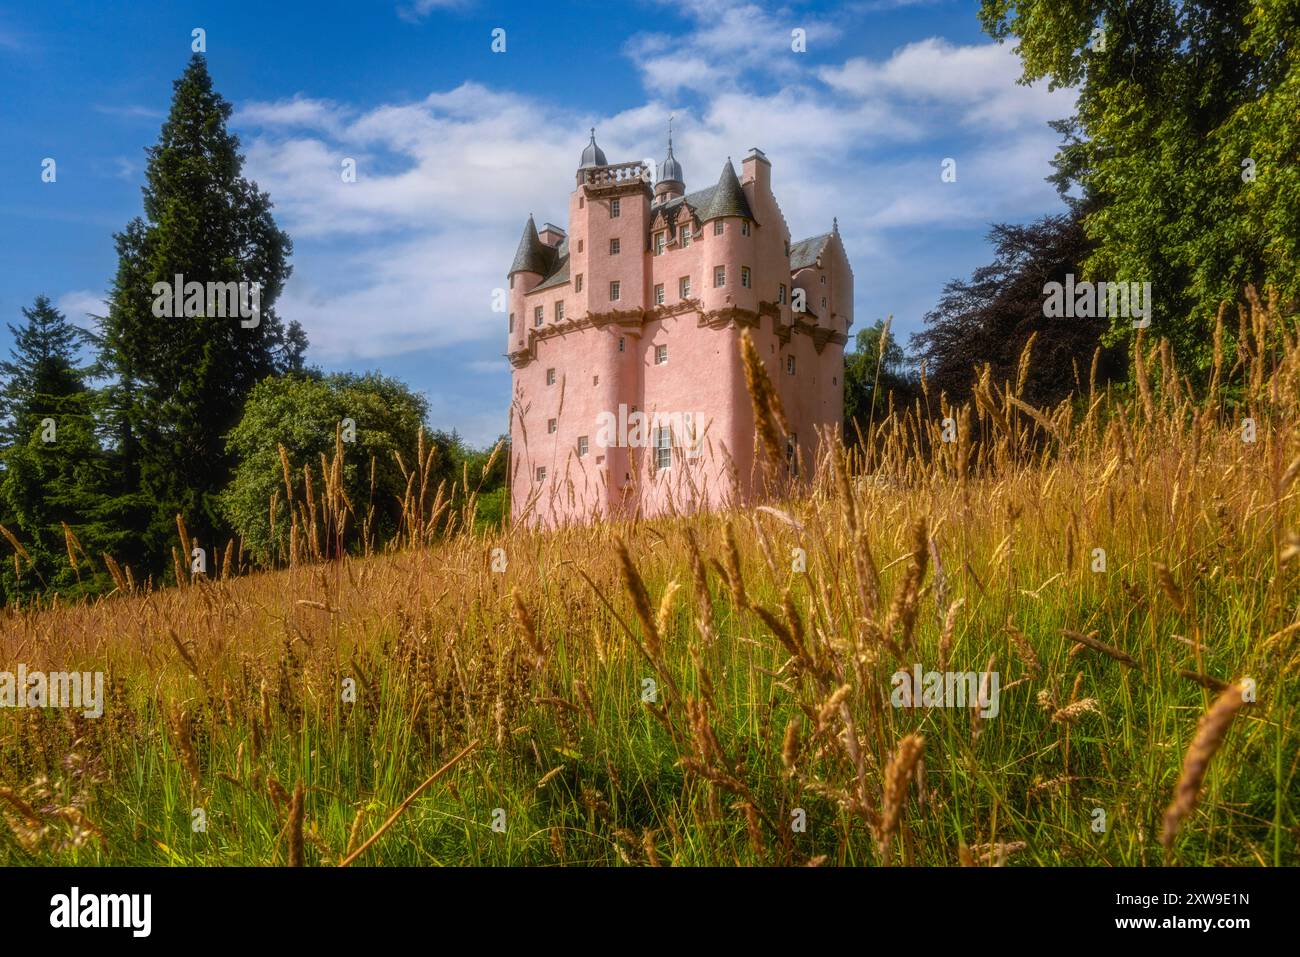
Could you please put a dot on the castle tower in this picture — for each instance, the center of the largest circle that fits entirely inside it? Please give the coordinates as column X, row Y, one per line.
column 628, row 393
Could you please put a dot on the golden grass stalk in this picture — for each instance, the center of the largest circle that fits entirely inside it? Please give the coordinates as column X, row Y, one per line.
column 1210, row 732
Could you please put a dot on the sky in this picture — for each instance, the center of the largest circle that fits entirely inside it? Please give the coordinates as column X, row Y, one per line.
column 455, row 145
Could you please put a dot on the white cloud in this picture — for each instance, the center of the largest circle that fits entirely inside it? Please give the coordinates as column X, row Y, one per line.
column 80, row 304
column 407, row 257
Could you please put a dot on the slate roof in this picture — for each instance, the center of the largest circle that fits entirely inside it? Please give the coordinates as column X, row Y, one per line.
column 804, row 253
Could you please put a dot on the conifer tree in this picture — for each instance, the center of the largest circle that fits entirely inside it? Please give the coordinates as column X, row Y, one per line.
column 56, row 472
column 179, row 383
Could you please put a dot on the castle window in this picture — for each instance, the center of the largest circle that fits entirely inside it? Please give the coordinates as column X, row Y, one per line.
column 614, row 246
column 661, row 355
column 660, row 238
column 595, row 380
column 659, row 294
column 823, row 302
column 614, row 290
column 551, row 426
column 718, row 227
column 559, row 312
column 835, row 380
column 512, row 322
column 550, row 377
column 789, row 365
column 582, row 446
column 780, row 294
column 663, row 448
column 577, row 283
column 792, row 454
column 580, row 245
column 582, row 201
column 685, row 236
column 684, row 287
column 744, row 227
column 823, row 279
column 537, row 315
column 512, row 282
column 541, row 473
column 614, row 209
column 744, row 276
column 719, row 276
column 787, row 249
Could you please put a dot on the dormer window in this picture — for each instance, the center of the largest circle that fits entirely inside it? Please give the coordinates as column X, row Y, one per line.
column 661, row 239
column 684, row 237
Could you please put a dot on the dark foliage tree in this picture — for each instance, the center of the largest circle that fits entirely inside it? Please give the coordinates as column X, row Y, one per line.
column 990, row 317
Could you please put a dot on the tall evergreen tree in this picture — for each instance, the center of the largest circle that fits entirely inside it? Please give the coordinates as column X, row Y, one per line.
column 56, row 472
column 179, row 384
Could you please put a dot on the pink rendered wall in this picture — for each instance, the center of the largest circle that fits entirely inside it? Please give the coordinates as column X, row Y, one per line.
column 703, row 374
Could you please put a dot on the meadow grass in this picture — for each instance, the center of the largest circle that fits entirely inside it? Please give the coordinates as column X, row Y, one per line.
column 771, row 676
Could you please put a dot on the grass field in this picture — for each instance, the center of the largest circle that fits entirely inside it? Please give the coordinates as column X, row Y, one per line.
column 765, row 640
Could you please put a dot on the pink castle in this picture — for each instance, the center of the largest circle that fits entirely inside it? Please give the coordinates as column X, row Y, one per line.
column 629, row 395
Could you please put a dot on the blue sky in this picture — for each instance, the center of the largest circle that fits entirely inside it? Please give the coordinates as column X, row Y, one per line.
column 455, row 145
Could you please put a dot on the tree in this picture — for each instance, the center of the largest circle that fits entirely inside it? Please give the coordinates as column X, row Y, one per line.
column 990, row 317
column 303, row 413
column 56, row 473
column 1184, row 143
column 179, row 384
column 875, row 368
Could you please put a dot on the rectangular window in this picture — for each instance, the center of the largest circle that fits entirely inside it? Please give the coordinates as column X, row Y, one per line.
column 550, row 377
column 663, row 448
column 717, row 227
column 559, row 312
column 744, row 276
column 659, row 294
column 660, row 239
column 614, row 209
column 582, row 201
column 512, row 322
column 661, row 355
column 614, row 291
column 620, row 343
column 580, row 244
column 780, row 294
column 684, row 237
column 537, row 315
column 823, row 280
column 792, row 454
column 684, row 287
column 823, row 302
column 719, row 276
column 541, row 473
column 614, row 247
column 577, row 283
column 787, row 249
column 582, row 446
column 744, row 227
column 512, row 282
column 551, row 426
column 789, row 365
